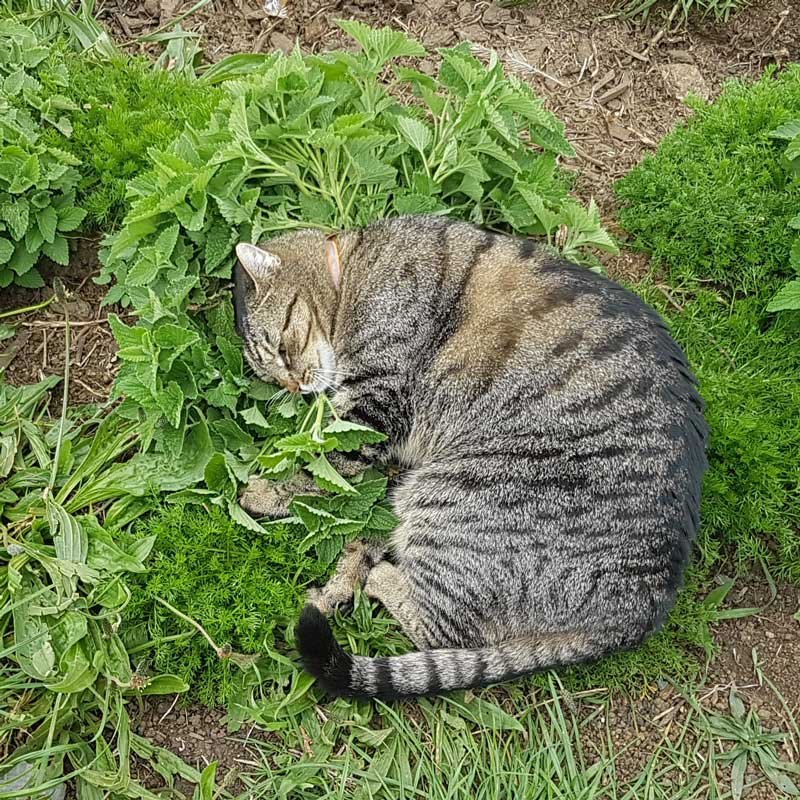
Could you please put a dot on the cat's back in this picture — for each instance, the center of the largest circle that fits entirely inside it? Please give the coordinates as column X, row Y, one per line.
column 507, row 332
column 498, row 310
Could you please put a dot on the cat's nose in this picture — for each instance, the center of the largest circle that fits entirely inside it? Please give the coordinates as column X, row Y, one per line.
column 292, row 385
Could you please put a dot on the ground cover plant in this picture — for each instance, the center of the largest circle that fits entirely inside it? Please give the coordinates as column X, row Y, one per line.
column 64, row 672
column 73, row 131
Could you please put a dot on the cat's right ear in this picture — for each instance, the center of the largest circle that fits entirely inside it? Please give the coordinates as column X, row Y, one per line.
column 257, row 263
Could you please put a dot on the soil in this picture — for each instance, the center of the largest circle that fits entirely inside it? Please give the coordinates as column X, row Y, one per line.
column 199, row 736
column 620, row 86
column 758, row 658
column 38, row 348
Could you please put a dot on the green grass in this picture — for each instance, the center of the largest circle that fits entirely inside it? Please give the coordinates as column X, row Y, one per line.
column 720, row 10
column 747, row 363
column 544, row 744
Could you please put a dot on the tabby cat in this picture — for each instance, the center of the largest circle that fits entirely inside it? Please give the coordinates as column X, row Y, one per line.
column 550, row 430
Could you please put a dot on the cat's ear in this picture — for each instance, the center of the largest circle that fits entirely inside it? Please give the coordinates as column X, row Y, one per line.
column 258, row 263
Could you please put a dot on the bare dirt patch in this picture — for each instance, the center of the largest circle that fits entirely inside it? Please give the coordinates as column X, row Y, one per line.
column 38, row 347
column 199, row 736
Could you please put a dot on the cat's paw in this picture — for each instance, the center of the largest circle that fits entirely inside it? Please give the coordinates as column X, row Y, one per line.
column 316, row 597
column 263, row 498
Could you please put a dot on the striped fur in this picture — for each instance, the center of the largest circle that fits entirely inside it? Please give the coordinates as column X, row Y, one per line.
column 551, row 433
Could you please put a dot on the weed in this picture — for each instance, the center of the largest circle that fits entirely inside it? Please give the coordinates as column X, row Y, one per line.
column 721, row 10
column 64, row 672
column 748, row 742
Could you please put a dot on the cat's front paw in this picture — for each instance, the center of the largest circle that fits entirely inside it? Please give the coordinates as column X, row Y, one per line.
column 263, row 498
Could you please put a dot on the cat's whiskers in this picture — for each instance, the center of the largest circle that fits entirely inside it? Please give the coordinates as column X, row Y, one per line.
column 335, row 371
column 279, row 395
column 327, row 383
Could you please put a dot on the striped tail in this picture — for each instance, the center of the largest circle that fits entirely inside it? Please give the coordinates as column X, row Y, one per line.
column 430, row 672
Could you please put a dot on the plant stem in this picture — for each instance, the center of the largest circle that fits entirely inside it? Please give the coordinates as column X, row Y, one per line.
column 218, row 650
column 17, row 311
column 58, row 291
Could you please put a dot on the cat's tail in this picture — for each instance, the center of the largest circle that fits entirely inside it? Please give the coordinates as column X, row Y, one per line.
column 430, row 671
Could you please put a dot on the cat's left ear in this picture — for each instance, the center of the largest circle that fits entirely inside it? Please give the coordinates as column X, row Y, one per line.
column 258, row 263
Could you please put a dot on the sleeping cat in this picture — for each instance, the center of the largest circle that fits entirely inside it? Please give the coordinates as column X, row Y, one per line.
column 551, row 432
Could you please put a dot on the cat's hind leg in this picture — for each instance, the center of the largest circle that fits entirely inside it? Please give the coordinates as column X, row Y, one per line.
column 386, row 584
column 355, row 564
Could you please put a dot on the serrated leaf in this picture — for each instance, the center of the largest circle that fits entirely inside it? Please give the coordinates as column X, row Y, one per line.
column 253, row 416
column 57, row 251
column 143, row 272
column 170, row 401
column 789, row 130
column 174, row 337
column 327, row 477
column 416, row 133
column 351, row 436
column 6, row 250
column 787, row 298
column 70, row 218
column 381, row 45
column 15, row 213
column 47, row 220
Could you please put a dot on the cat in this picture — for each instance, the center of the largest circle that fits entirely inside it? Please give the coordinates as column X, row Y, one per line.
column 550, row 429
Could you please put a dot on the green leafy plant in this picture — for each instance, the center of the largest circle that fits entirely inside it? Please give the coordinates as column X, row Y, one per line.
column 72, row 21
column 714, row 203
column 64, row 571
column 788, row 296
column 37, row 179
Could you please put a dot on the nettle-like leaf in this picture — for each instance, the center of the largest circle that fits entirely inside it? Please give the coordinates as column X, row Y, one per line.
column 37, row 180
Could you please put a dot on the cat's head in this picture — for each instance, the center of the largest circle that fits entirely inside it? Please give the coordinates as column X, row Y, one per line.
column 285, row 298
